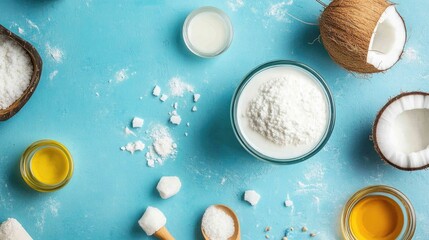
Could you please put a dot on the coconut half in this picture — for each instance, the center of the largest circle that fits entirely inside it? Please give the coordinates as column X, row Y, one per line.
column 401, row 131
column 364, row 36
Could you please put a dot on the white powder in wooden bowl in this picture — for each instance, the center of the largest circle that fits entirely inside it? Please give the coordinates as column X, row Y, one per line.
column 217, row 225
column 16, row 70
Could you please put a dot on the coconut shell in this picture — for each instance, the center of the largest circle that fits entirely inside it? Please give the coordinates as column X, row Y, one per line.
column 36, row 60
column 346, row 28
column 374, row 130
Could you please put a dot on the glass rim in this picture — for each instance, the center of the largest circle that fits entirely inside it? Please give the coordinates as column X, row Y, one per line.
column 27, row 173
column 331, row 112
column 409, row 227
column 194, row 13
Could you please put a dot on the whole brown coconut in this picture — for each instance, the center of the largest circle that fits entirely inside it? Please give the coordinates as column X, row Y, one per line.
column 347, row 27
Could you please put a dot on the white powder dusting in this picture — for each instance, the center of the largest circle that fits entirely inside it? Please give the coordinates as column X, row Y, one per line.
column 127, row 132
column 217, row 225
column 33, row 25
column 121, row 75
column 55, row 53
column 163, row 146
column 53, row 74
column 288, row 111
column 411, row 55
column 234, row 5
column 16, row 70
column 178, row 87
column 278, row 10
column 21, row 31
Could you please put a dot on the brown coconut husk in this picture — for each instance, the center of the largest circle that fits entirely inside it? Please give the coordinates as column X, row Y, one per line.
column 374, row 130
column 346, row 28
column 36, row 60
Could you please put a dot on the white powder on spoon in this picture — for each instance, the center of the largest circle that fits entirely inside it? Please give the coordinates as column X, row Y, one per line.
column 16, row 70
column 217, row 225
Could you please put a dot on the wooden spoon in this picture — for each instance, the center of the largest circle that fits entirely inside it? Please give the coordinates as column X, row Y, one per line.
column 37, row 71
column 231, row 213
column 163, row 234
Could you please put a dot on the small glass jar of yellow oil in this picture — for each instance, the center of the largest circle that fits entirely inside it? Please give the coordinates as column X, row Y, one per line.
column 378, row 213
column 46, row 165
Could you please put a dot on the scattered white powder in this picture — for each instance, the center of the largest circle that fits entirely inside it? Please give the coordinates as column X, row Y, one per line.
column 133, row 147
column 137, row 122
column 217, row 225
column 53, row 74
column 175, row 119
column 163, row 98
column 156, row 91
column 278, row 10
column 194, row 109
column 11, row 229
column 163, row 146
column 197, row 97
column 178, row 87
column 152, row 220
column 411, row 55
column 252, row 197
column 33, row 25
column 121, row 75
column 234, row 5
column 129, row 132
column 16, row 70
column 288, row 111
column 168, row 186
column 55, row 53
column 21, row 31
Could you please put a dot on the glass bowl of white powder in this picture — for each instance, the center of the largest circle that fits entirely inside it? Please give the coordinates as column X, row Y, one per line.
column 283, row 112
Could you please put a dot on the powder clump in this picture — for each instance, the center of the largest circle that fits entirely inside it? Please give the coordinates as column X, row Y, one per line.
column 178, row 87
column 16, row 70
column 217, row 225
column 288, row 111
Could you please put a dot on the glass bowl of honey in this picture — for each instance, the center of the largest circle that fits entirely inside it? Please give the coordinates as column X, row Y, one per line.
column 46, row 166
column 378, row 213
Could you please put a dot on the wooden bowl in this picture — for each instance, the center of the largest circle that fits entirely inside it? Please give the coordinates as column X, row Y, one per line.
column 7, row 113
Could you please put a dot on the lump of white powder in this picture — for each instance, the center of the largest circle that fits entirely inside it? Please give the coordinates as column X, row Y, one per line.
column 152, row 220
column 168, row 186
column 252, row 197
column 156, row 91
column 11, row 229
column 137, row 122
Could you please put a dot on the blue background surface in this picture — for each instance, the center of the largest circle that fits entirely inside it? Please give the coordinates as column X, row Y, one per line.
column 110, row 189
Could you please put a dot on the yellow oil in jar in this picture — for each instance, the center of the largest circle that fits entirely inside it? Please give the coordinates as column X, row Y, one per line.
column 376, row 218
column 49, row 165
column 46, row 165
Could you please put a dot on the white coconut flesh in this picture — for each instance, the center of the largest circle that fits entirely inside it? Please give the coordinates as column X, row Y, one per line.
column 403, row 132
column 387, row 40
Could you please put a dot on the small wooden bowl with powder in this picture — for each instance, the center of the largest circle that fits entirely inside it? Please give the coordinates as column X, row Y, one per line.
column 14, row 97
